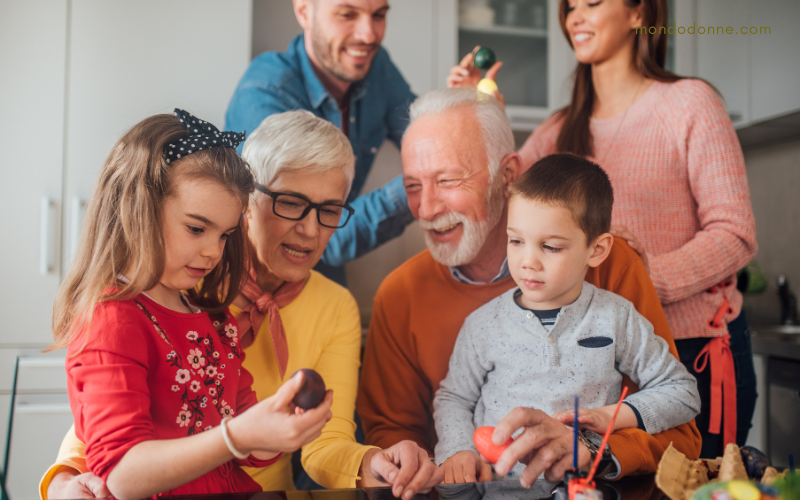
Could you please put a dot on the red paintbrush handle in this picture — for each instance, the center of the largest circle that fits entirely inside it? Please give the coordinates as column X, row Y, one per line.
column 610, row 429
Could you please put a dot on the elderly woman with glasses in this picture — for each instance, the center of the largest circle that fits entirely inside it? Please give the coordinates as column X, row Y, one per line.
column 291, row 317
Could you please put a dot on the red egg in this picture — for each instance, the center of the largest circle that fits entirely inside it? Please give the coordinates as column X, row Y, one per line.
column 312, row 392
column 485, row 446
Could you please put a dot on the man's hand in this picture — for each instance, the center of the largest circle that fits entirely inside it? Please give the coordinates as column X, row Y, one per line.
column 545, row 445
column 69, row 484
column 405, row 467
column 466, row 467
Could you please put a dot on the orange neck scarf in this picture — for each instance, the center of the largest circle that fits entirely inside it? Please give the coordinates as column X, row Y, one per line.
column 266, row 303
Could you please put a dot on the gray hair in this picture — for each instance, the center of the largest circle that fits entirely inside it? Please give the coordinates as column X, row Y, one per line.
column 497, row 135
column 296, row 140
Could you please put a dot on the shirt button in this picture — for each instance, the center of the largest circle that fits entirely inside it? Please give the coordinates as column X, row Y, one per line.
column 529, row 315
column 373, row 150
column 352, row 119
column 551, row 339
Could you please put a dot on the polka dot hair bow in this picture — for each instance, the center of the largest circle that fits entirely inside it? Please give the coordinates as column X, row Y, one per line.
column 204, row 136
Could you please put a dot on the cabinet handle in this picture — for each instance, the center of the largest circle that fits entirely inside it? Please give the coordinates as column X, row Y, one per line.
column 76, row 224
column 47, row 237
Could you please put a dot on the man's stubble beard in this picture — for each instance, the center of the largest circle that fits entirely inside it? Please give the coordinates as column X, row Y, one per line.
column 474, row 234
column 324, row 52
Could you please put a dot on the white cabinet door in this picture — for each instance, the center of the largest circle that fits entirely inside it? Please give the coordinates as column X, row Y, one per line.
column 410, row 41
column 40, row 422
column 130, row 60
column 724, row 59
column 776, row 58
column 32, row 65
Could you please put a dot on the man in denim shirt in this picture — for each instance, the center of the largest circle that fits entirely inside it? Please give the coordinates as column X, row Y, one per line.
column 338, row 71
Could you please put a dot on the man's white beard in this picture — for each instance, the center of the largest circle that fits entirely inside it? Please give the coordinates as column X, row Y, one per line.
column 474, row 234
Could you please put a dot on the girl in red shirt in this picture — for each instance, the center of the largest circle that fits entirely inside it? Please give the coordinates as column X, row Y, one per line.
column 155, row 376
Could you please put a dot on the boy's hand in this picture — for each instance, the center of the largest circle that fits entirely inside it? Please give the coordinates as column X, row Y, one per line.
column 598, row 419
column 466, row 467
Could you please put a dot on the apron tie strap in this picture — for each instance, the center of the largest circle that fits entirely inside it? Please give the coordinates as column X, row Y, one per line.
column 723, row 379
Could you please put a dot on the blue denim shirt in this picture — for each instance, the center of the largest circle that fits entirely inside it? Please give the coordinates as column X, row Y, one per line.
column 276, row 82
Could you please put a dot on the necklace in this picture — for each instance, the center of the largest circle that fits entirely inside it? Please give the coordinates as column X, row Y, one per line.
column 619, row 127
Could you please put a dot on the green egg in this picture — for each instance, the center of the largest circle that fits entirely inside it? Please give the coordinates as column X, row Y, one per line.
column 484, row 58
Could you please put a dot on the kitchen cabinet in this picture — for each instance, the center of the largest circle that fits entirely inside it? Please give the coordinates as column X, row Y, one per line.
column 775, row 67
column 525, row 35
column 76, row 75
column 756, row 72
column 41, row 417
column 723, row 59
column 32, row 105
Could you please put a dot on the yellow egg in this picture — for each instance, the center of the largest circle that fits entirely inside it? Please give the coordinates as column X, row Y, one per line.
column 487, row 86
column 743, row 490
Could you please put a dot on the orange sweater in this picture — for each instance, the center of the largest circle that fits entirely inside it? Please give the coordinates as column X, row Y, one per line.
column 417, row 314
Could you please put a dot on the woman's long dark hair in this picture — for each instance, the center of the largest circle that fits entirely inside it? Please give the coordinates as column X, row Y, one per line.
column 649, row 56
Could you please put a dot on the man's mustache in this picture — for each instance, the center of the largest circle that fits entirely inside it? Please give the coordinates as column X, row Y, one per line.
column 443, row 221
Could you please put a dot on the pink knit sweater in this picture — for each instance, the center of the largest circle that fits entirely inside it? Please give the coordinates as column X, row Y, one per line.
column 680, row 187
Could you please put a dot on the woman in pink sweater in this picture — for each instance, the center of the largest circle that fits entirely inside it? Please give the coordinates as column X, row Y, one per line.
column 680, row 188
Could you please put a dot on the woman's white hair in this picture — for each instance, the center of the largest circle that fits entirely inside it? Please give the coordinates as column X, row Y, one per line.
column 497, row 135
column 296, row 140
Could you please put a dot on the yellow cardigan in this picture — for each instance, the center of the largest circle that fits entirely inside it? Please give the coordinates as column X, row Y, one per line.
column 323, row 329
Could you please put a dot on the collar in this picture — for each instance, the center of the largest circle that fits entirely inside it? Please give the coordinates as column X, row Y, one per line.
column 462, row 278
column 316, row 91
column 184, row 298
column 576, row 309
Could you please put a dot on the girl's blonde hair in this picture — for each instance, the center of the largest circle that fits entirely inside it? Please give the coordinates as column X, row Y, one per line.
column 123, row 233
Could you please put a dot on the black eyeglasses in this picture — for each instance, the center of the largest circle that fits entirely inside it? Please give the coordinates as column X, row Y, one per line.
column 296, row 207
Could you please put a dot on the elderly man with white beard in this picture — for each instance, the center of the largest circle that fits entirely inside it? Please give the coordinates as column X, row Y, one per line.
column 458, row 161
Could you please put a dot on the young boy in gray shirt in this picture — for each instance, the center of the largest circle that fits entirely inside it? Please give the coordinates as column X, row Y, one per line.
column 555, row 336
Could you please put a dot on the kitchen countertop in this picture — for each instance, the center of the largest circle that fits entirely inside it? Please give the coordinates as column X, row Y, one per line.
column 766, row 341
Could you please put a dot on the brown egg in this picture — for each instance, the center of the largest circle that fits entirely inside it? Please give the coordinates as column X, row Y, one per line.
column 312, row 392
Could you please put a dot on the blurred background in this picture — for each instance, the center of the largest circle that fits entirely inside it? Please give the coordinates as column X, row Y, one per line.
column 76, row 74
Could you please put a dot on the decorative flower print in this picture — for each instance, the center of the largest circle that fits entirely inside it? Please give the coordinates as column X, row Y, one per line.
column 211, row 371
column 231, row 331
column 230, row 355
column 196, row 385
column 184, row 417
column 225, row 409
column 183, row 376
column 191, row 336
column 175, row 388
column 216, row 354
column 212, row 391
column 196, row 358
column 221, row 376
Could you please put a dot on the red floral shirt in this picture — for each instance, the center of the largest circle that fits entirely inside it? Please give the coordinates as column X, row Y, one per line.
column 148, row 372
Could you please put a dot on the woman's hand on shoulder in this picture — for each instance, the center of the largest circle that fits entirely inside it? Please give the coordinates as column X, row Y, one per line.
column 276, row 425
column 70, row 484
column 625, row 233
column 405, row 467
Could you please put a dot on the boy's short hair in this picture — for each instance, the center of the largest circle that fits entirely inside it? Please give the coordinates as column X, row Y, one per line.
column 572, row 182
